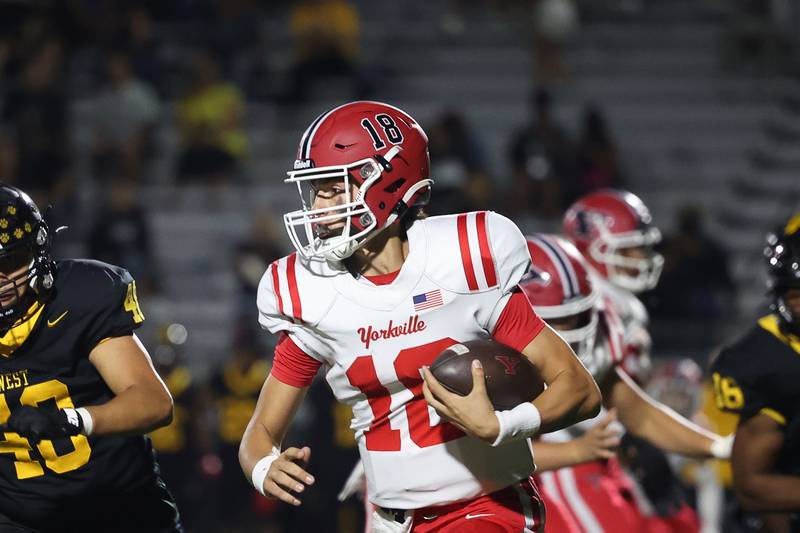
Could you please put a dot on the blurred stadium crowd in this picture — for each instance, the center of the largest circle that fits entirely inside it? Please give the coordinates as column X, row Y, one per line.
column 141, row 122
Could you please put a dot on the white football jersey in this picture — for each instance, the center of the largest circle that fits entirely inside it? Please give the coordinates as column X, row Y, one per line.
column 630, row 310
column 624, row 321
column 634, row 320
column 373, row 340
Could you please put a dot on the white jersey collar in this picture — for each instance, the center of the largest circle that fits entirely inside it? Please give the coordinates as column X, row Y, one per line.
column 387, row 297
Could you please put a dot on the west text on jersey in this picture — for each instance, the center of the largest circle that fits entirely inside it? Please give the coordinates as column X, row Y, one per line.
column 13, row 380
column 412, row 325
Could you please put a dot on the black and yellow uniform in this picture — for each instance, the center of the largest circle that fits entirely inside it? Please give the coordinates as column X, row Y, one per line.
column 79, row 483
column 758, row 374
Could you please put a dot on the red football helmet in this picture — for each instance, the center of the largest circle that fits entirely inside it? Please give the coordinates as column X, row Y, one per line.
column 558, row 287
column 375, row 147
column 602, row 224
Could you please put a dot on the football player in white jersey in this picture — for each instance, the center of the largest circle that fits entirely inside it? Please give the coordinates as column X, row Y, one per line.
column 595, row 490
column 374, row 293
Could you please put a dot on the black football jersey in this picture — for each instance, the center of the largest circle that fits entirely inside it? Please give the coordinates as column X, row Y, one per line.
column 758, row 374
column 91, row 301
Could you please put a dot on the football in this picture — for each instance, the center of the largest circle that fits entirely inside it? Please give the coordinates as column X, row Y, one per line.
column 510, row 378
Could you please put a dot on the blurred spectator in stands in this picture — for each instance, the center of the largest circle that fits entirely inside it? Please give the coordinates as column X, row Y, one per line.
column 458, row 166
column 453, row 23
column 36, row 119
column 120, row 234
column 184, row 447
column 758, row 34
column 24, row 34
column 542, row 163
column 554, row 23
column 35, row 112
column 213, row 139
column 597, row 156
column 141, row 45
column 235, row 29
column 326, row 40
column 127, row 113
column 235, row 386
column 696, row 282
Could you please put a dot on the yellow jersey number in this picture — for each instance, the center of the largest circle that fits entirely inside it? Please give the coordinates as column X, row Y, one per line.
column 25, row 465
column 727, row 393
column 132, row 303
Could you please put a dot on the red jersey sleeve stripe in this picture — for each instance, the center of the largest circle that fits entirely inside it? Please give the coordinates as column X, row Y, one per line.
column 294, row 293
column 486, row 251
column 276, row 286
column 466, row 255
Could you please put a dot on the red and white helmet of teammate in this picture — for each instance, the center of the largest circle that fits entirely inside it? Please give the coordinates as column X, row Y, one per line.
column 560, row 291
column 613, row 229
column 378, row 155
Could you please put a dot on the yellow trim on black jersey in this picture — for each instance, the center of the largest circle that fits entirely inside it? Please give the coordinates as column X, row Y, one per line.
column 770, row 323
column 773, row 414
column 101, row 341
column 15, row 336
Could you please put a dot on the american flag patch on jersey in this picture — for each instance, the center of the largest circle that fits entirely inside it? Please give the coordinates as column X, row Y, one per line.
column 428, row 300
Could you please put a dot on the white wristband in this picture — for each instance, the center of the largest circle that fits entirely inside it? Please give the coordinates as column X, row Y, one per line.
column 519, row 423
column 86, row 418
column 721, row 447
column 259, row 473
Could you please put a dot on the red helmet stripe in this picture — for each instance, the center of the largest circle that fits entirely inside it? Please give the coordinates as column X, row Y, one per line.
column 562, row 266
column 486, row 251
column 304, row 140
column 294, row 293
column 308, row 137
column 466, row 255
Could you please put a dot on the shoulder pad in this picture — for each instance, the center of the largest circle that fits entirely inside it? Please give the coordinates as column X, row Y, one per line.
column 735, row 358
column 294, row 292
column 475, row 252
column 89, row 284
column 97, row 274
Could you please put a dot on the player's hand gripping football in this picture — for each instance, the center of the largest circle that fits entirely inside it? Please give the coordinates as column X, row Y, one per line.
column 600, row 442
column 473, row 413
column 36, row 423
column 287, row 475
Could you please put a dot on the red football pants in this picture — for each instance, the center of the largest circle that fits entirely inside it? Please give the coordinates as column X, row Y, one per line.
column 515, row 509
column 597, row 495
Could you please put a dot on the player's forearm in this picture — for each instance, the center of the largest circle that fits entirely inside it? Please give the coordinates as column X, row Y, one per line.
column 277, row 404
column 571, row 397
column 555, row 455
column 135, row 411
column 662, row 427
column 256, row 444
column 769, row 492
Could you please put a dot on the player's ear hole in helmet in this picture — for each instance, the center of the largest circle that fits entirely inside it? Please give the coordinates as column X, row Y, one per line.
column 26, row 264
